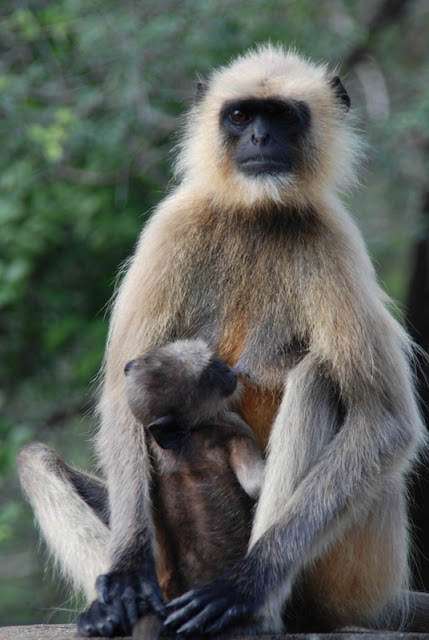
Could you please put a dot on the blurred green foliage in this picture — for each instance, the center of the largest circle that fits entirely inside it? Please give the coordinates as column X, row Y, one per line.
column 90, row 94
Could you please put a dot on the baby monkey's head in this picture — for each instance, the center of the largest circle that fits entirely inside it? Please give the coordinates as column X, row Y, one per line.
column 182, row 381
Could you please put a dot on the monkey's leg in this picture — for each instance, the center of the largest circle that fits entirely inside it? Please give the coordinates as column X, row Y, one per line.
column 358, row 580
column 307, row 503
column 71, row 510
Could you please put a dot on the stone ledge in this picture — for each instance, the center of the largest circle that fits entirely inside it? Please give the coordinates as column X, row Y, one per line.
column 68, row 632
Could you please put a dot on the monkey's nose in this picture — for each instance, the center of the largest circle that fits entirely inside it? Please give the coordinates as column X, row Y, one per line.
column 129, row 366
column 260, row 139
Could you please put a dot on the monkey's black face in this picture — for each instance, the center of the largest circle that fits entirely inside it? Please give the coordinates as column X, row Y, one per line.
column 265, row 134
column 219, row 376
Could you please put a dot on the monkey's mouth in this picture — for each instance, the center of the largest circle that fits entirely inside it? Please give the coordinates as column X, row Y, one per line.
column 262, row 165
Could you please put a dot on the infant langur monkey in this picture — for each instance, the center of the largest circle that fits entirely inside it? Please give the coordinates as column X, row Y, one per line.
column 208, row 467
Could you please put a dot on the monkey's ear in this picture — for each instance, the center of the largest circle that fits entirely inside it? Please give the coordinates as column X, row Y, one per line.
column 201, row 89
column 168, row 433
column 341, row 92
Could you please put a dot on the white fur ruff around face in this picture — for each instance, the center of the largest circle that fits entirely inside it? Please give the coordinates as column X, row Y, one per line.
column 332, row 154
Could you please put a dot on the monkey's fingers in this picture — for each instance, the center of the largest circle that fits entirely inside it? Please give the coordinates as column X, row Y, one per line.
column 231, row 615
column 184, row 599
column 106, row 589
column 199, row 621
column 156, row 601
column 130, row 605
column 184, row 607
column 218, row 604
column 138, row 594
column 100, row 620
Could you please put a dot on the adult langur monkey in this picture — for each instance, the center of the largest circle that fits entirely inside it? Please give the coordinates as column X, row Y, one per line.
column 254, row 253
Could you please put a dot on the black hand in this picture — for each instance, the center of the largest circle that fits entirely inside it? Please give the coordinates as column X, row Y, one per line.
column 213, row 607
column 122, row 599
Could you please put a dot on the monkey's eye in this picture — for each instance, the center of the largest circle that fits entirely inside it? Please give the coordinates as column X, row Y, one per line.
column 289, row 114
column 239, row 117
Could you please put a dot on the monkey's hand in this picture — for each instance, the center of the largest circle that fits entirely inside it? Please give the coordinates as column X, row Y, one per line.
column 226, row 601
column 122, row 599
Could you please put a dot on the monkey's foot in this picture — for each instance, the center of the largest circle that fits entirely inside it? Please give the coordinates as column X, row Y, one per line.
column 103, row 620
column 122, row 600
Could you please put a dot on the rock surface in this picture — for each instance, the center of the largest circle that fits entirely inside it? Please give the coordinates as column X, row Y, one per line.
column 68, row 632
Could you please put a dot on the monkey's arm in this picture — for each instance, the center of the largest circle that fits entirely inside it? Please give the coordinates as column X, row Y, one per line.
column 301, row 513
column 245, row 457
column 140, row 321
column 130, row 588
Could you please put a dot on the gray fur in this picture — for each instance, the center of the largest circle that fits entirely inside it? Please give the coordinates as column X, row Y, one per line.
column 273, row 274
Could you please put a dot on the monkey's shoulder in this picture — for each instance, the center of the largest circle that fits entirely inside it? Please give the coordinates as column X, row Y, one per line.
column 201, row 235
